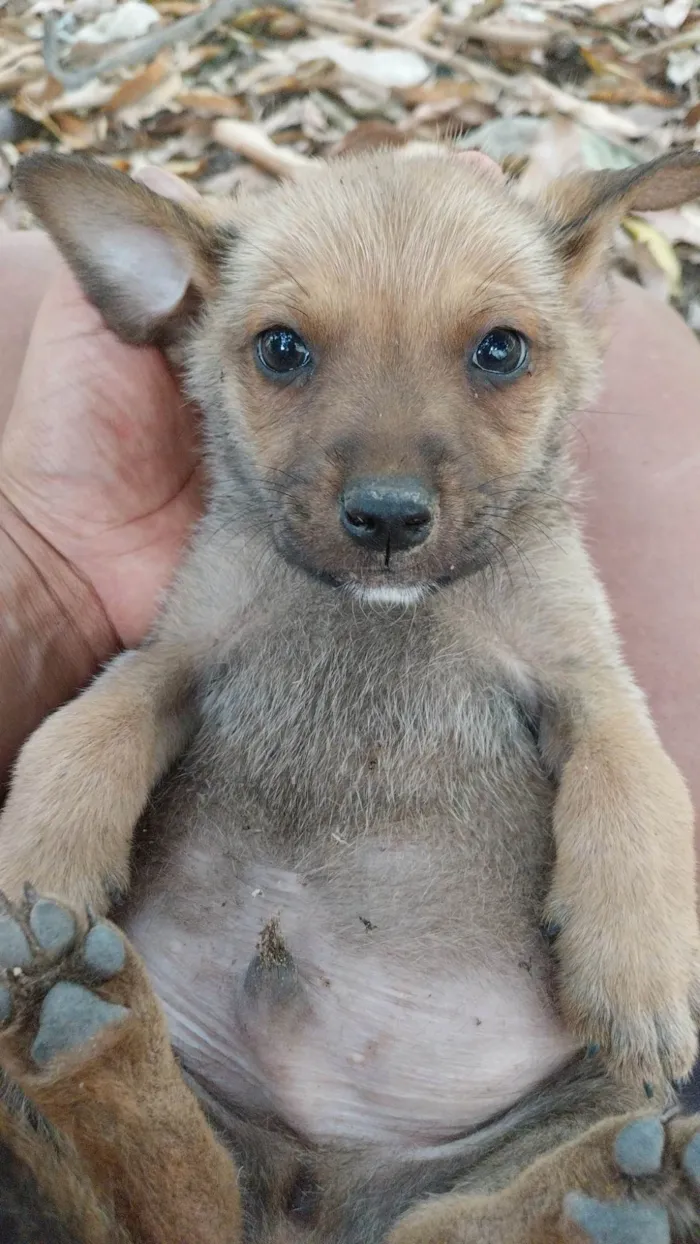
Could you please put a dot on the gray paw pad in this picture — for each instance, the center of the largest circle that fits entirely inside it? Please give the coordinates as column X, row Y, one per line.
column 52, row 926
column 691, row 1160
column 70, row 1016
column 617, row 1222
column 5, row 1004
column 640, row 1147
column 104, row 952
column 14, row 947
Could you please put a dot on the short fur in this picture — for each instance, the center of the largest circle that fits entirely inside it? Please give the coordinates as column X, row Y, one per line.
column 440, row 748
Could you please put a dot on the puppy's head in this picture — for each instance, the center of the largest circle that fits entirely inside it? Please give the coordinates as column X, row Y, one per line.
column 384, row 349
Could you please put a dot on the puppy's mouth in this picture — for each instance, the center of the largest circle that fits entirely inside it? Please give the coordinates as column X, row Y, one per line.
column 404, row 577
column 400, row 582
column 390, row 593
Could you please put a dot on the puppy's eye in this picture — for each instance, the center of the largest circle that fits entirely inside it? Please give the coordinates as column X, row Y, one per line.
column 281, row 352
column 502, row 352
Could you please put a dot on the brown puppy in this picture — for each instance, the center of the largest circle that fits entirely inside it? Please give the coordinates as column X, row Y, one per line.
column 403, row 730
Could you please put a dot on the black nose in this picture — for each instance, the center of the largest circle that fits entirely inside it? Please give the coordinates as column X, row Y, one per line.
column 388, row 514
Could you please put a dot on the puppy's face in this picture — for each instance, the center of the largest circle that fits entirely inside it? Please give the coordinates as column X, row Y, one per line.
column 385, row 348
column 394, row 344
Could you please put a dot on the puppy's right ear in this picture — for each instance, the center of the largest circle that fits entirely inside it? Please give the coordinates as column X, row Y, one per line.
column 146, row 262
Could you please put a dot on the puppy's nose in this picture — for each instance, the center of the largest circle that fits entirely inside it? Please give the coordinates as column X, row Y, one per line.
column 391, row 513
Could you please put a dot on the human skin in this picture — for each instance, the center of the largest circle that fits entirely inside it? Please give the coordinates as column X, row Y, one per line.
column 98, row 488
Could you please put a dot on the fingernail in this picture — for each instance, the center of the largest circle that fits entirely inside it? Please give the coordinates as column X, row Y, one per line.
column 592, row 1050
column 649, row 1089
column 551, row 931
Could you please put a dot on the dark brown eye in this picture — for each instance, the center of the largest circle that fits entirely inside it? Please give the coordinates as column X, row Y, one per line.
column 281, row 352
column 502, row 352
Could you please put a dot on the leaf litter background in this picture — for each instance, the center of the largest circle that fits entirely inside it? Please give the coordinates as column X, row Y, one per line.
column 226, row 94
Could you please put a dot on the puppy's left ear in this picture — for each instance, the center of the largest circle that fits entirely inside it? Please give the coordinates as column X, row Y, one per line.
column 582, row 210
column 146, row 262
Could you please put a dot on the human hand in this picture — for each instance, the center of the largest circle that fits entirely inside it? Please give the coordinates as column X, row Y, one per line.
column 99, row 454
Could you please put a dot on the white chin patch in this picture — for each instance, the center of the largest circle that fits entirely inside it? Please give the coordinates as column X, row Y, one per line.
column 389, row 595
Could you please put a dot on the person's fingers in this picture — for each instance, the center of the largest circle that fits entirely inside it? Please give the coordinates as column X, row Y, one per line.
column 27, row 263
column 99, row 455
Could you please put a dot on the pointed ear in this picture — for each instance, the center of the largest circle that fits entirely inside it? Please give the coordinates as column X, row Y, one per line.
column 145, row 261
column 582, row 210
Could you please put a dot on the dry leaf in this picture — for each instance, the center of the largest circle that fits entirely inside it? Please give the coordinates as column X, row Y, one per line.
column 441, row 90
column 76, row 133
column 389, row 67
column 129, row 20
column 684, row 66
column 210, row 104
column 658, row 247
column 671, row 16
column 632, row 93
column 141, row 84
column 544, row 84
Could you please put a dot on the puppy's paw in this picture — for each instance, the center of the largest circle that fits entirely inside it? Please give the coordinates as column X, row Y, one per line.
column 629, row 979
column 64, row 983
column 652, row 1195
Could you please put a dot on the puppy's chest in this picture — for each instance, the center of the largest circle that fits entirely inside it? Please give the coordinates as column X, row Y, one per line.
column 389, row 720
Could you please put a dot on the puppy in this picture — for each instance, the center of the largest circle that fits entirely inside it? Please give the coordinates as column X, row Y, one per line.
column 382, row 731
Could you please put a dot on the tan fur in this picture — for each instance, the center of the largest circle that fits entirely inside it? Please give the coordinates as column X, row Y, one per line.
column 394, row 269
column 531, row 1210
column 136, row 715
column 135, row 1160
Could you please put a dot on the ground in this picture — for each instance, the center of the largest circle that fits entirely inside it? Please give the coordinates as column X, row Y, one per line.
column 228, row 93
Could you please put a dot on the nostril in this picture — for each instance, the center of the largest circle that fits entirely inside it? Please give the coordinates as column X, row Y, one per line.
column 391, row 513
column 418, row 520
column 364, row 522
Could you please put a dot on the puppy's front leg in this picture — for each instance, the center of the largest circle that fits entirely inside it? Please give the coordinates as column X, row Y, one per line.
column 623, row 898
column 83, row 778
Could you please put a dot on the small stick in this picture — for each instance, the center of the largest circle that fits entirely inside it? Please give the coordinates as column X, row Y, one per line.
column 347, row 23
column 190, row 30
column 247, row 140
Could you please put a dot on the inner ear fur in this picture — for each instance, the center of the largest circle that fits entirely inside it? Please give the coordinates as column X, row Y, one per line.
column 583, row 209
column 145, row 261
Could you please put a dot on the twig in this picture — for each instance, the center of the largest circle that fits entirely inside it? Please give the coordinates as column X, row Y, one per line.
column 505, row 31
column 247, row 140
column 684, row 39
column 347, row 23
column 189, row 30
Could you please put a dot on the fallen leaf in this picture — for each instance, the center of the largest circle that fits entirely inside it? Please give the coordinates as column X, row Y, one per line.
column 210, row 104
column 632, row 93
column 391, row 67
column 141, row 84
column 658, row 247
column 684, row 66
column 368, row 135
column 129, row 20
column 671, row 16
column 77, row 133
column 439, row 91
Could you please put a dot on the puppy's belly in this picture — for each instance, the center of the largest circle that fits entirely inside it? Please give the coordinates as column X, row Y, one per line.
column 278, row 1008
